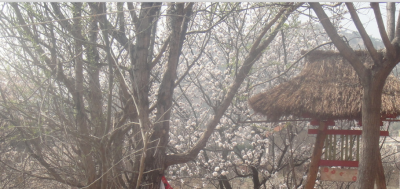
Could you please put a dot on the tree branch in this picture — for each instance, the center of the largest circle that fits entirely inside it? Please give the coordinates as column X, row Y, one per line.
column 363, row 33
column 242, row 74
column 158, row 57
column 133, row 14
column 104, row 29
column 69, row 82
column 216, row 23
column 343, row 48
column 291, row 66
column 266, row 28
column 391, row 16
column 194, row 61
column 398, row 27
column 386, row 41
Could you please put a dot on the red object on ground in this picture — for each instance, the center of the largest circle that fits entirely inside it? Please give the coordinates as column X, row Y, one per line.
column 164, row 180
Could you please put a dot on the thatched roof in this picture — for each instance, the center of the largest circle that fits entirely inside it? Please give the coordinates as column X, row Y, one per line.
column 327, row 88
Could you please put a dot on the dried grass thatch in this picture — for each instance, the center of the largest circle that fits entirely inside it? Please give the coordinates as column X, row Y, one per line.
column 327, row 88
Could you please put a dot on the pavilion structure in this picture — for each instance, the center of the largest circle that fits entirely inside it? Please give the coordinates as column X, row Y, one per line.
column 327, row 92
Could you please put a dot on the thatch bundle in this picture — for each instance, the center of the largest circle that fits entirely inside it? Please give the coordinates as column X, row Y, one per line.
column 327, row 88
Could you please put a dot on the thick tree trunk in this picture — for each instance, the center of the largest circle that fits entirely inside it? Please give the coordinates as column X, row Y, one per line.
column 155, row 160
column 380, row 177
column 371, row 117
column 141, row 77
column 316, row 156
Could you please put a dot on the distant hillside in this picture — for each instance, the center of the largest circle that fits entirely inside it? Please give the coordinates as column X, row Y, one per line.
column 356, row 42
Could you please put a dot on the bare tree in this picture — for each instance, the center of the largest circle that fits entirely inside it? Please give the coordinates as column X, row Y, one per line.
column 89, row 87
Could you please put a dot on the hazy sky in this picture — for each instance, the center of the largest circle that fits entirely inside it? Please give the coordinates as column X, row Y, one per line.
column 367, row 16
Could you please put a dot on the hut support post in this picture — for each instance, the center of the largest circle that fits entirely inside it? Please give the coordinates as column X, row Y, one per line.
column 316, row 156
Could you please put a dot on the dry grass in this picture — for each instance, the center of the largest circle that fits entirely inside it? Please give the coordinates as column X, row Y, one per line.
column 327, row 88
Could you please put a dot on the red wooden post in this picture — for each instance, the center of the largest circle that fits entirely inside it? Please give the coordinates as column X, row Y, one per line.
column 316, row 156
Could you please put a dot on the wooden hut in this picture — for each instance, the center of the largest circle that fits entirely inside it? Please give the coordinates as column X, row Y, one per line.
column 327, row 88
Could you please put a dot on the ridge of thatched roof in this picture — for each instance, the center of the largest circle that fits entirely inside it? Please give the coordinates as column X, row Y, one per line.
column 327, row 88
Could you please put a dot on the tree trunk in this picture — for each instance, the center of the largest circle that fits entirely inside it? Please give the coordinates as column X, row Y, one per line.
column 380, row 177
column 155, row 159
column 256, row 180
column 225, row 182
column 316, row 156
column 141, row 77
column 371, row 117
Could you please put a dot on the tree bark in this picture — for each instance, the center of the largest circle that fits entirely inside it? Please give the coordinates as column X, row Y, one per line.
column 256, row 180
column 155, row 157
column 384, row 36
column 370, row 135
column 316, row 156
column 225, row 182
column 83, row 127
column 141, row 76
column 390, row 24
column 380, row 178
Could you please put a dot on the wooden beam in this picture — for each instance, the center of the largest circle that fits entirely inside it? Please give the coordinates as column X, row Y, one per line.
column 345, row 132
column 288, row 120
column 332, row 163
column 267, row 121
column 316, row 156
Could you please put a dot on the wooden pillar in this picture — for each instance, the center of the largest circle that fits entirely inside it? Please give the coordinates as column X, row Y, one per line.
column 316, row 156
column 380, row 177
